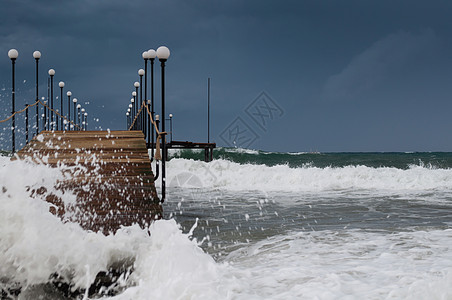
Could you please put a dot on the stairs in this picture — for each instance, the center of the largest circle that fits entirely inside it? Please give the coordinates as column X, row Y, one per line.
column 109, row 172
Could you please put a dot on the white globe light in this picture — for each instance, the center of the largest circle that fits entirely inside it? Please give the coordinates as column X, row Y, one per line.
column 134, row 93
column 51, row 72
column 74, row 100
column 145, row 55
column 69, row 93
column 79, row 106
column 136, row 84
column 141, row 72
column 13, row 53
column 157, row 117
column 163, row 52
column 152, row 53
column 86, row 114
column 37, row 55
column 61, row 84
column 170, row 115
column 127, row 114
column 83, row 110
column 130, row 105
column 132, row 100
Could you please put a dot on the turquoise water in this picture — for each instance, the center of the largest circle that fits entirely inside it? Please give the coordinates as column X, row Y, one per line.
column 371, row 159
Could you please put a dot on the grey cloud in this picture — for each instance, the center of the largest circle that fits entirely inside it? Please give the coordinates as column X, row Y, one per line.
column 385, row 59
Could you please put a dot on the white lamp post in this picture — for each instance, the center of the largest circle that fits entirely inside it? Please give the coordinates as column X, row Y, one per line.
column 44, row 114
column 163, row 54
column 136, row 84
column 152, row 55
column 131, row 113
column 82, row 117
column 61, row 85
column 171, row 126
column 141, row 73
column 51, row 73
column 135, row 105
column 75, row 112
column 37, row 56
column 13, row 54
column 69, row 94
column 79, row 106
column 146, row 55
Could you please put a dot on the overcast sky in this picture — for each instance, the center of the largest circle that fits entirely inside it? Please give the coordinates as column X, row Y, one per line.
column 285, row 75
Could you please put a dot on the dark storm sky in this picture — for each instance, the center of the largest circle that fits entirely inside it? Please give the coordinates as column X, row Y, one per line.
column 285, row 75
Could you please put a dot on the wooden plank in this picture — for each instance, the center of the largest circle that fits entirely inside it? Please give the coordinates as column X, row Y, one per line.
column 109, row 172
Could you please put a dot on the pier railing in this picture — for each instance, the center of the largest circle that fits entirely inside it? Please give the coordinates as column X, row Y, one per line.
column 45, row 120
column 48, row 112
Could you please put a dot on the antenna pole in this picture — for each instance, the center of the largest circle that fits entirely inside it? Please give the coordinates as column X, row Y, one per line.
column 208, row 110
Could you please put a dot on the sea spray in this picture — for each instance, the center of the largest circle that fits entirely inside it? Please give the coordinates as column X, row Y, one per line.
column 232, row 176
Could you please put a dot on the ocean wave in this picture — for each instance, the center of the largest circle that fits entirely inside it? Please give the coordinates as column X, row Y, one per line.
column 224, row 174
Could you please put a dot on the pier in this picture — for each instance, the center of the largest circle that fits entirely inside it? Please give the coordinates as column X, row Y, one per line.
column 108, row 171
column 208, row 148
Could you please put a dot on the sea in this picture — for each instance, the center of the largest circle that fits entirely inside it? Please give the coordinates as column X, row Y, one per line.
column 248, row 225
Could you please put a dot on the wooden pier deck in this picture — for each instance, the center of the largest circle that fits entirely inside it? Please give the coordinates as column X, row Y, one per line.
column 109, row 172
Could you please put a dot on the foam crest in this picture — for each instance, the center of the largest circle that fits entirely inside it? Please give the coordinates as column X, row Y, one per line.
column 35, row 245
column 223, row 174
column 356, row 264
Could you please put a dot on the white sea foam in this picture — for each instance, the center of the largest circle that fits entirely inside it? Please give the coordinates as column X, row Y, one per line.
column 241, row 150
column 347, row 265
column 167, row 264
column 223, row 174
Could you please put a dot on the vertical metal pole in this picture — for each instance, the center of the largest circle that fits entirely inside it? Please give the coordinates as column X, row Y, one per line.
column 26, row 122
column 48, row 103
column 62, row 112
column 148, row 103
column 52, row 125
column 45, row 116
column 56, row 117
column 208, row 110
column 152, row 108
column 141, row 103
column 145, row 116
column 135, row 112
column 162, row 63
column 138, row 108
column 157, row 167
column 75, row 119
column 13, row 60
column 171, row 128
column 69, row 112
column 37, row 98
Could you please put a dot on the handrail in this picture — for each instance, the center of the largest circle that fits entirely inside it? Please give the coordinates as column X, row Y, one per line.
column 160, row 135
column 58, row 113
column 31, row 105
column 19, row 111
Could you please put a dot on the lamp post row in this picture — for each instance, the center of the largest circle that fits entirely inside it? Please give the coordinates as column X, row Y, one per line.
column 13, row 55
column 142, row 122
